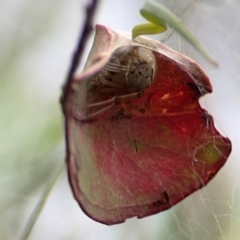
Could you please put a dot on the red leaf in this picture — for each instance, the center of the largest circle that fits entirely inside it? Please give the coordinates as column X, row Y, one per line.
column 147, row 153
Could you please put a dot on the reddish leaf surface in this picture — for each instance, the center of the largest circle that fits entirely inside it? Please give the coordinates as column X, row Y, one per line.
column 144, row 155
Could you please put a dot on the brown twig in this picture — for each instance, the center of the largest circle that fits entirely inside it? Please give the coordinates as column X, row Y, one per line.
column 87, row 28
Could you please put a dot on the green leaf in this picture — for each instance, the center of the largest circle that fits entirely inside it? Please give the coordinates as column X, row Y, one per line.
column 148, row 28
column 159, row 15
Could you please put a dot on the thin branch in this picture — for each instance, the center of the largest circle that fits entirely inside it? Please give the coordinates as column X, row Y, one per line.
column 90, row 11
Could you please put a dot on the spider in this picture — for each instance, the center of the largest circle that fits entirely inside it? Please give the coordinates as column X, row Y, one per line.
column 129, row 71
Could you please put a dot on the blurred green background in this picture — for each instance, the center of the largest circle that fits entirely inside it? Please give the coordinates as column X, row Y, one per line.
column 37, row 39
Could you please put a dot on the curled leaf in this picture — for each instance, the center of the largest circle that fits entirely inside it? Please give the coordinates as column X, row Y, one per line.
column 138, row 141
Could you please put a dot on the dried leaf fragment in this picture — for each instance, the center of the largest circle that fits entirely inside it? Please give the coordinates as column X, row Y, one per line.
column 138, row 142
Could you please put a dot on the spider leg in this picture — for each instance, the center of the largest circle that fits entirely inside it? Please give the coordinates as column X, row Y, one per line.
column 115, row 100
column 100, row 111
column 112, row 102
column 113, row 67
